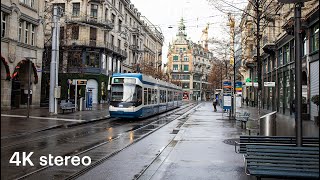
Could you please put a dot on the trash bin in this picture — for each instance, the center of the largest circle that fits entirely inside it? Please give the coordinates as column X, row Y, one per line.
column 268, row 124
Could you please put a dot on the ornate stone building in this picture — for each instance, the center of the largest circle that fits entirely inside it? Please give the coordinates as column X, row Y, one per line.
column 21, row 52
column 189, row 65
column 97, row 39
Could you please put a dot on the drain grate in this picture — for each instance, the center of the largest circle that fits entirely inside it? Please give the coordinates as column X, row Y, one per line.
column 231, row 141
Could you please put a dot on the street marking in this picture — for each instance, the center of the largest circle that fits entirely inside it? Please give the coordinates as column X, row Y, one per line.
column 36, row 117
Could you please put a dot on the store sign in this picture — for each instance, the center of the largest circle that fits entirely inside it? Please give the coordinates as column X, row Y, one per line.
column 255, row 84
column 80, row 81
column 269, row 84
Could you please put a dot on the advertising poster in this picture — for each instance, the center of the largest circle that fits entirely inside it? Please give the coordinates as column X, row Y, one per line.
column 226, row 102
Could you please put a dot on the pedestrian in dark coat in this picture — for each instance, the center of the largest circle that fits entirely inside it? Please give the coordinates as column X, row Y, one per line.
column 214, row 103
column 247, row 101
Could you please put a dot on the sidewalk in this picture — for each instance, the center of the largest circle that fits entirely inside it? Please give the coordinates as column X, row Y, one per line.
column 203, row 149
column 15, row 122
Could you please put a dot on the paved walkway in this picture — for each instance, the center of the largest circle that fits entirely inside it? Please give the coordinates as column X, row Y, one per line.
column 203, row 149
column 15, row 121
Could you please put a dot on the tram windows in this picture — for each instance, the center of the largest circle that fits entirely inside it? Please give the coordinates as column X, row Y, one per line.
column 145, row 102
column 152, row 96
column 166, row 96
column 139, row 95
column 162, row 96
column 155, row 96
column 149, row 96
column 169, row 96
column 116, row 92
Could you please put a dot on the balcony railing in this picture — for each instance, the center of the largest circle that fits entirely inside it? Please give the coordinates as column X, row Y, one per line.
column 107, row 24
column 135, row 31
column 134, row 47
column 97, row 44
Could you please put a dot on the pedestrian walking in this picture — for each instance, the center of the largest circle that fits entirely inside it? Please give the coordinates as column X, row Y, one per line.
column 293, row 108
column 247, row 101
column 214, row 103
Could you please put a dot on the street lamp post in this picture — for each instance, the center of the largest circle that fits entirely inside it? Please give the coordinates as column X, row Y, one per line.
column 298, row 66
column 54, row 65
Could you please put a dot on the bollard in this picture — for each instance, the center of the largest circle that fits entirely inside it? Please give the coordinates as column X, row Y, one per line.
column 81, row 106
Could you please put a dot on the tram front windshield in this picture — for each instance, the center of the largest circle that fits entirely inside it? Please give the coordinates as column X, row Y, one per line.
column 126, row 93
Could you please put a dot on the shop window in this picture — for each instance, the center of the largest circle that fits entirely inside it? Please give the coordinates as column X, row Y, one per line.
column 280, row 58
column 286, row 54
column 314, row 39
column 92, row 59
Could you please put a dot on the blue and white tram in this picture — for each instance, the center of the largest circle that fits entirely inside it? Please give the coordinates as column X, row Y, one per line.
column 135, row 95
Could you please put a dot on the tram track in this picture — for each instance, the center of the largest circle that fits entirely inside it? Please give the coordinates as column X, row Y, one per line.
column 144, row 129
column 66, row 131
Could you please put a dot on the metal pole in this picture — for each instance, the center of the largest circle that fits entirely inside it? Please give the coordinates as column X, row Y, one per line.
column 234, row 91
column 57, row 59
column 298, row 68
column 68, row 91
column 258, row 57
column 76, row 96
column 53, row 60
column 29, row 81
column 201, row 87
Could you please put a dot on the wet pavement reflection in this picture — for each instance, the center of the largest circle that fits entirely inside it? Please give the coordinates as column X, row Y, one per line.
column 97, row 140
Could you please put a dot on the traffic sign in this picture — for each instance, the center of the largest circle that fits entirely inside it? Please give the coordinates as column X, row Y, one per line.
column 227, row 87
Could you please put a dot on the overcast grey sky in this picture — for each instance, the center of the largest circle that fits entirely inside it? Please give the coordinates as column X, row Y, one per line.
column 196, row 13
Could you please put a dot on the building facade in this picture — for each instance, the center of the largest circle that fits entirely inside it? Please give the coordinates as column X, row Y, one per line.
column 22, row 40
column 152, row 54
column 277, row 55
column 189, row 65
column 97, row 39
